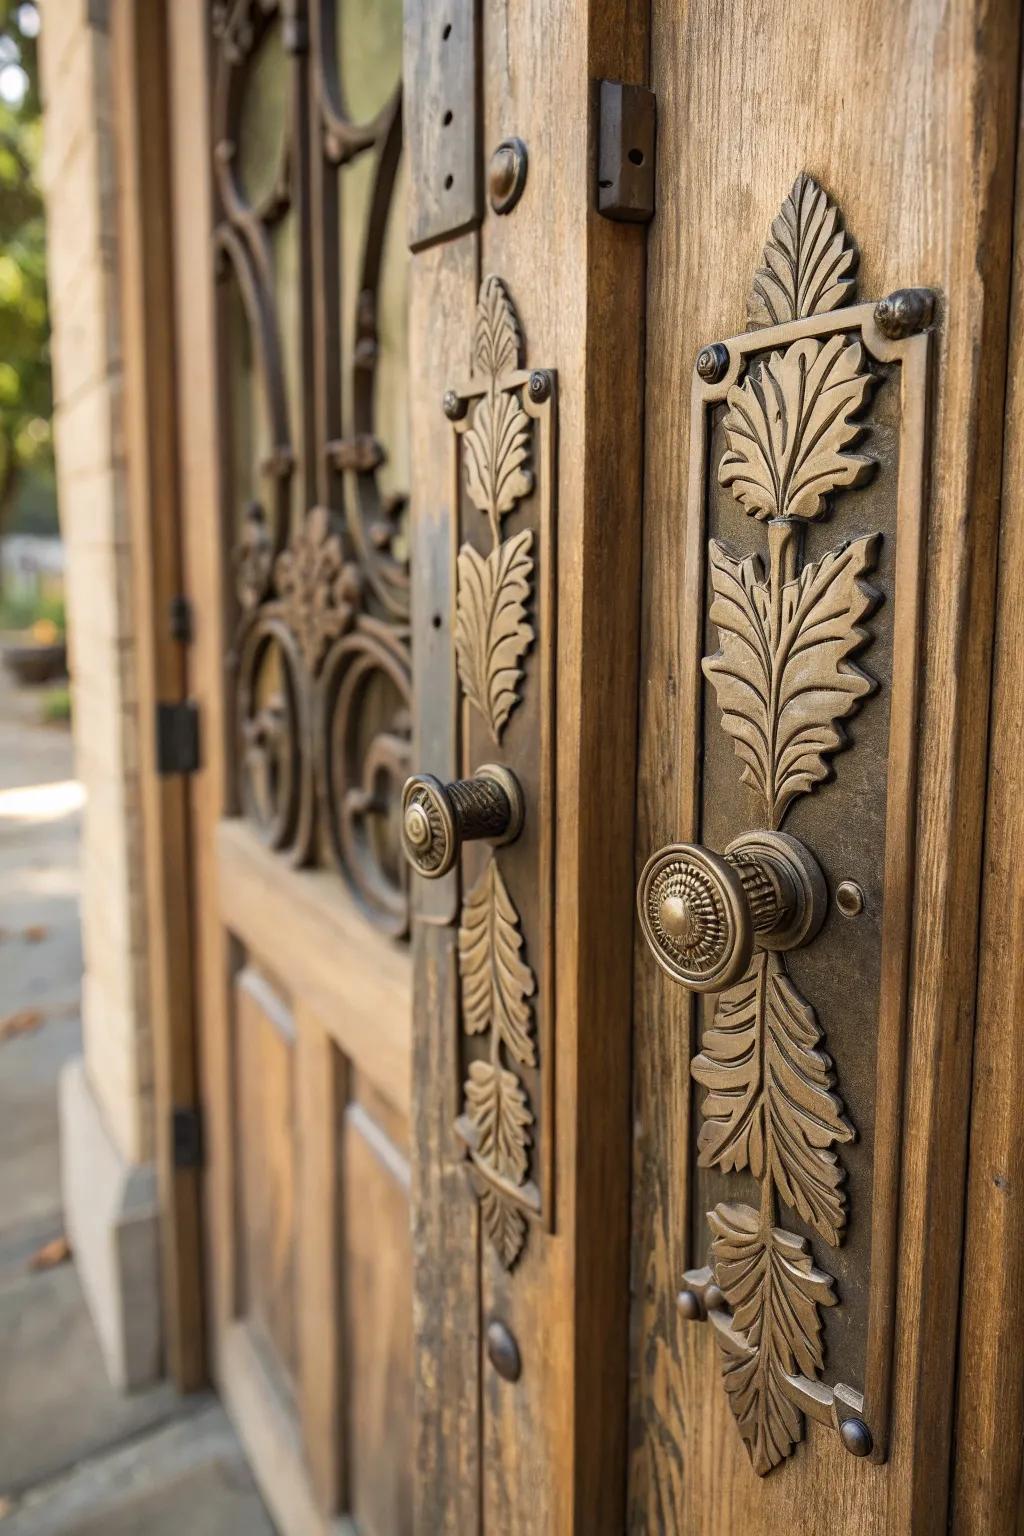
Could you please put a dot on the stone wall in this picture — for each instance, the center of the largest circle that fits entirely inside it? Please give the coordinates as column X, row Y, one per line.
column 81, row 196
column 106, row 1103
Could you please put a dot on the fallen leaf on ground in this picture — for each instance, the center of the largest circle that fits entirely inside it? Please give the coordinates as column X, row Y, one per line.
column 35, row 933
column 21, row 1022
column 55, row 1252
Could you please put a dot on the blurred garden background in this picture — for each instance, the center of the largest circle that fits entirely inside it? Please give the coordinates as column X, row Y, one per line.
column 31, row 556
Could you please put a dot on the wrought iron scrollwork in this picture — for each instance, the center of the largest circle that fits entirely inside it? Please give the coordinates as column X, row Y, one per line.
column 321, row 652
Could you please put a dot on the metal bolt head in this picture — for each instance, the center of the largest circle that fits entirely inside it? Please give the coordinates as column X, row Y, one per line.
column 712, row 362
column 856, row 1437
column 689, row 1306
column 506, row 175
column 904, row 312
column 503, row 1351
column 454, row 405
column 849, row 898
column 539, row 385
column 501, row 173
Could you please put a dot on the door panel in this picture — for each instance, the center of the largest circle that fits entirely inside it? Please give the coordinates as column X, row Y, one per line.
column 868, row 1223
column 298, row 394
column 265, row 1111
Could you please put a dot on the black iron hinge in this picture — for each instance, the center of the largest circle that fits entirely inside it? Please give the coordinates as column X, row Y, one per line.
column 187, row 1138
column 177, row 738
column 625, row 154
column 179, row 620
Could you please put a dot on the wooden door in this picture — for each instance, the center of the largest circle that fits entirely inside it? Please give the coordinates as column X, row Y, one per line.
column 389, row 368
column 827, row 324
column 292, row 309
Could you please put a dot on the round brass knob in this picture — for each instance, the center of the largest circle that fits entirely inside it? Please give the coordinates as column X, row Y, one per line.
column 702, row 912
column 438, row 818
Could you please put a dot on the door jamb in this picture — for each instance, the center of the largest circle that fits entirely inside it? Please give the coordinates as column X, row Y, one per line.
column 146, row 284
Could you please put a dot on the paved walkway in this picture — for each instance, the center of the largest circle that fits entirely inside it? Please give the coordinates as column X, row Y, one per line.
column 76, row 1458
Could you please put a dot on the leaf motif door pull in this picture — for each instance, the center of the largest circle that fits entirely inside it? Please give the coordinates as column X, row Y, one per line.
column 778, row 424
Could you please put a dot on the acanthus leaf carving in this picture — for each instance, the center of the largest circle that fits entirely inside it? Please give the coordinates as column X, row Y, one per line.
column 790, row 428
column 769, row 1104
column 497, row 449
column 496, row 990
column 497, row 1107
column 492, row 633
column 783, row 674
column 497, row 339
column 809, row 260
column 497, row 984
column 767, row 1276
column 504, row 1223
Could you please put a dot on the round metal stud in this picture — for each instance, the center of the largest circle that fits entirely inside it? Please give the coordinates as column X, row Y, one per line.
column 856, row 1437
column 712, row 362
column 506, row 175
column 455, row 406
column 503, row 1351
column 689, row 1306
column 904, row 312
column 539, row 385
column 849, row 898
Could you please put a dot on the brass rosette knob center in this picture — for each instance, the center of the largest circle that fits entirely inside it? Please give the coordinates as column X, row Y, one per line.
column 438, row 818
column 702, row 913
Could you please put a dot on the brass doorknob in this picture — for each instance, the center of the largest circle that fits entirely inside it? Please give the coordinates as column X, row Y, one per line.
column 438, row 818
column 702, row 912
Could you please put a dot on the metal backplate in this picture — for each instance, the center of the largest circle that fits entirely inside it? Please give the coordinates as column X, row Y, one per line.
column 442, row 119
column 808, row 440
column 503, row 484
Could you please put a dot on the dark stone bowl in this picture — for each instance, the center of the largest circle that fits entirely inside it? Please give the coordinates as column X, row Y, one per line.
column 31, row 665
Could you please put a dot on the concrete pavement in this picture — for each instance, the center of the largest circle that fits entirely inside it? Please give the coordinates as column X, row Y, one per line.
column 76, row 1457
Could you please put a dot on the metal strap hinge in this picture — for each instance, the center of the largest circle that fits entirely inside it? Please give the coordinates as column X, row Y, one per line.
column 187, row 1138
column 177, row 738
column 625, row 156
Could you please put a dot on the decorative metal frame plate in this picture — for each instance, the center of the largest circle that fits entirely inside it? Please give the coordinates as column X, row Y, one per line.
column 782, row 417
column 503, row 484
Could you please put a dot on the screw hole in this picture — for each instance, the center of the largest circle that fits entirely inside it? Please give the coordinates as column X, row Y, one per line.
column 448, row 183
column 636, row 157
column 436, row 621
column 446, row 31
column 446, row 119
column 604, row 183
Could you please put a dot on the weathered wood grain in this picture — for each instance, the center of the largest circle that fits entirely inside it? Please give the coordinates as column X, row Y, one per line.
column 148, row 316
column 989, row 1433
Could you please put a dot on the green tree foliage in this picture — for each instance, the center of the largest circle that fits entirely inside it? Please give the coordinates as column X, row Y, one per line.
column 25, row 386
